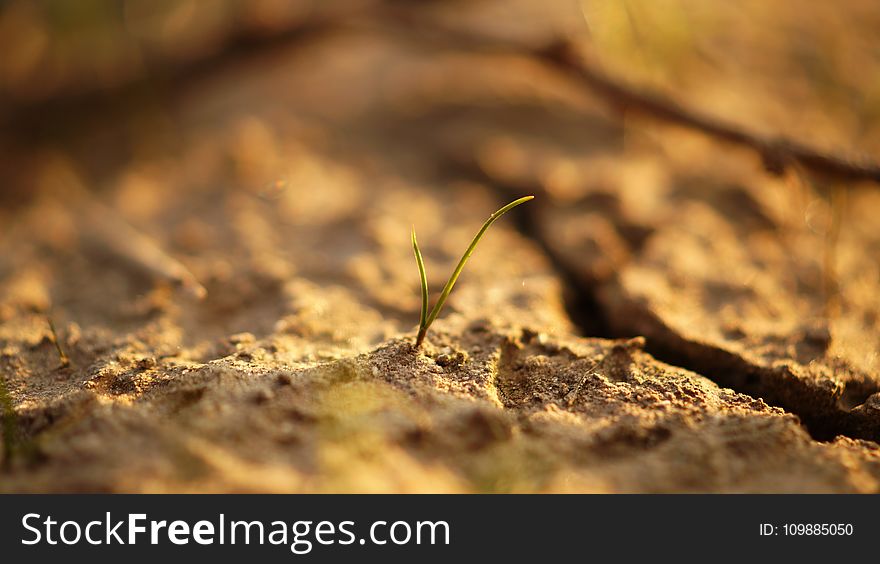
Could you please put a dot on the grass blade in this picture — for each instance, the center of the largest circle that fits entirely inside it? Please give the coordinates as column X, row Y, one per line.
column 467, row 254
column 65, row 361
column 424, row 280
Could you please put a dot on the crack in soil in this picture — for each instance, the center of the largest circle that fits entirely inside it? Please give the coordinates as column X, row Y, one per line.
column 826, row 409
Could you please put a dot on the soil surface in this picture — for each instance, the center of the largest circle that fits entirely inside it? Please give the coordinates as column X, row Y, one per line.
column 225, row 267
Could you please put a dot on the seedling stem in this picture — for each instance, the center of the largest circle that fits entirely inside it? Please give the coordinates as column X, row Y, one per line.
column 426, row 318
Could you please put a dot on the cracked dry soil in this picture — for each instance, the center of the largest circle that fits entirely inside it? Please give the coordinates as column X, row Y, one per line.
column 648, row 324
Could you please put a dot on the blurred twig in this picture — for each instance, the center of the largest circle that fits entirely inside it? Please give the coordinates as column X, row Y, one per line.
column 778, row 153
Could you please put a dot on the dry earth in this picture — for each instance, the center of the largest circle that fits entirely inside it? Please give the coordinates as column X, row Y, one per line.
column 661, row 318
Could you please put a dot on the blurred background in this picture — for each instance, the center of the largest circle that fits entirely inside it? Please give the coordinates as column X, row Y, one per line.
column 752, row 61
column 181, row 119
column 186, row 180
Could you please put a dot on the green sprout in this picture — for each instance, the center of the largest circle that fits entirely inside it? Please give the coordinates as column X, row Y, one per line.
column 426, row 318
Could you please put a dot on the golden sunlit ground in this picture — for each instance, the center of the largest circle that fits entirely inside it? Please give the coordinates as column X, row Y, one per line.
column 207, row 283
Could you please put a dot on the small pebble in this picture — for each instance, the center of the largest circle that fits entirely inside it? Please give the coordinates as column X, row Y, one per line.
column 450, row 359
